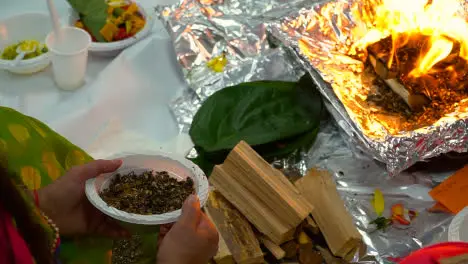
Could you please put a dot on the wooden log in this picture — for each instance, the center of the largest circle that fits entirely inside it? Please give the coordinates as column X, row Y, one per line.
column 235, row 230
column 329, row 258
column 224, row 255
column 261, row 193
column 330, row 214
column 311, row 226
column 291, row 248
column 274, row 249
column 307, row 255
column 379, row 62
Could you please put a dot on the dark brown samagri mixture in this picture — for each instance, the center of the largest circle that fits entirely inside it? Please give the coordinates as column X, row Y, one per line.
column 147, row 193
column 445, row 85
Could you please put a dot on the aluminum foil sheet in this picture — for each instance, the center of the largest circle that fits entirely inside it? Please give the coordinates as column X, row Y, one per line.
column 203, row 30
column 358, row 176
column 320, row 35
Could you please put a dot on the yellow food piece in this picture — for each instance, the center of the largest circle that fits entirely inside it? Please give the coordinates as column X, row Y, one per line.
column 79, row 24
column 108, row 31
column 110, row 10
column 133, row 8
column 137, row 24
column 9, row 53
column 117, row 3
column 128, row 26
column 303, row 238
column 218, row 63
column 378, row 202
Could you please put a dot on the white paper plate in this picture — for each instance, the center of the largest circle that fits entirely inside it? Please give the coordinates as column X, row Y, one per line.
column 111, row 49
column 177, row 166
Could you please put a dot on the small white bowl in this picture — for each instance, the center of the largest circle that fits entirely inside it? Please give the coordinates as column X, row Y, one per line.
column 111, row 49
column 27, row 26
column 177, row 167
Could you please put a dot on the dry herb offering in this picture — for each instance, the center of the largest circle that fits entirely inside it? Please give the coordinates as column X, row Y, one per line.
column 147, row 193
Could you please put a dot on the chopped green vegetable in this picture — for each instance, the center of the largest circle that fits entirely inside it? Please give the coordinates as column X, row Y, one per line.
column 9, row 53
column 117, row 12
column 381, row 223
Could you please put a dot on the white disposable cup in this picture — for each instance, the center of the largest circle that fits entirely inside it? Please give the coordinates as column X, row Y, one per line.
column 69, row 57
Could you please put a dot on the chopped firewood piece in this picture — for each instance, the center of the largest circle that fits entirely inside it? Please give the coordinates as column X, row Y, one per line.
column 349, row 257
column 307, row 255
column 329, row 258
column 276, row 250
column 311, row 226
column 330, row 214
column 235, row 231
column 460, row 259
column 261, row 193
column 291, row 248
column 415, row 101
column 224, row 255
column 303, row 239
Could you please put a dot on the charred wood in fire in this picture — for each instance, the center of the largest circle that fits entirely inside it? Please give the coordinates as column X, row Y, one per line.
column 379, row 57
column 441, row 88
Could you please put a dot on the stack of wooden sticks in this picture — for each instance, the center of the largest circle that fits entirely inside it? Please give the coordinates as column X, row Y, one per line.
column 263, row 217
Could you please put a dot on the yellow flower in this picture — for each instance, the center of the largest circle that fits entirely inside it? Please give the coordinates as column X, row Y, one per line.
column 378, row 202
column 218, row 63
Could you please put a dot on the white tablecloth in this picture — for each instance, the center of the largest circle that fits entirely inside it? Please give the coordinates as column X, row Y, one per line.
column 123, row 106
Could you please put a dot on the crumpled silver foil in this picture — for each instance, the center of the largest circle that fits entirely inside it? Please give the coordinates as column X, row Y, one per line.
column 319, row 35
column 203, row 29
column 358, row 176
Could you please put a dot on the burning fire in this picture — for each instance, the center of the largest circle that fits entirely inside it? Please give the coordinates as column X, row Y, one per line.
column 405, row 20
column 396, row 65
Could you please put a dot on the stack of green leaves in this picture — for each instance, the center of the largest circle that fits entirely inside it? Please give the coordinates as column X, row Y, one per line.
column 276, row 118
column 93, row 14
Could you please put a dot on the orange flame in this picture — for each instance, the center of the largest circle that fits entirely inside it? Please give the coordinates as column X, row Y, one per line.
column 402, row 19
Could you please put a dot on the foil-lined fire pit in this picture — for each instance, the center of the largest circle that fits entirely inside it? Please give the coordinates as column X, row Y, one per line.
column 394, row 71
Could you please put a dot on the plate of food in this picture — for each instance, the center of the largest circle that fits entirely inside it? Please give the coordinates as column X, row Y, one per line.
column 24, row 33
column 113, row 24
column 147, row 190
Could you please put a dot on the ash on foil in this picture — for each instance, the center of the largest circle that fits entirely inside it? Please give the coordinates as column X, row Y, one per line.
column 396, row 70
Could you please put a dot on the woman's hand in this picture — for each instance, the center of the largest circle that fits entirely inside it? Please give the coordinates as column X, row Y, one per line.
column 193, row 239
column 65, row 202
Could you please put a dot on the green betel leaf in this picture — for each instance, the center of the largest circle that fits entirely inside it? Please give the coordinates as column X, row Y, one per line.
column 89, row 7
column 94, row 23
column 93, row 14
column 258, row 112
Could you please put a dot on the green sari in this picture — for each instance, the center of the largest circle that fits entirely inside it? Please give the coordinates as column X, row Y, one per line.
column 37, row 155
